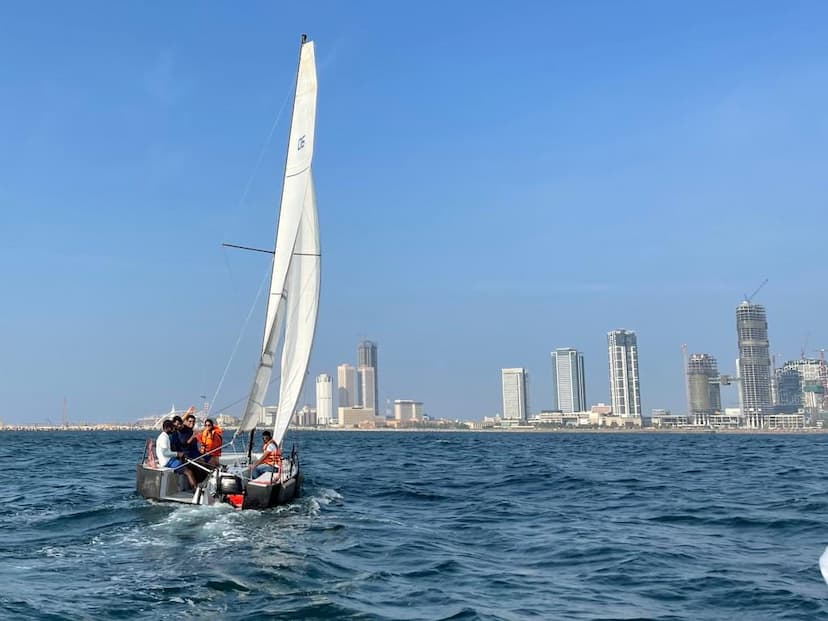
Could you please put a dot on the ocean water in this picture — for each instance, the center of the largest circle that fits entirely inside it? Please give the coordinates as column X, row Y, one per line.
column 428, row 526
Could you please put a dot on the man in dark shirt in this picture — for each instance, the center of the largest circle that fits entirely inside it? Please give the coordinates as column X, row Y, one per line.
column 189, row 441
column 189, row 438
column 178, row 443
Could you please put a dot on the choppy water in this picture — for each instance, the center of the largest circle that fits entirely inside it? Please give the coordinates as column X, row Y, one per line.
column 428, row 526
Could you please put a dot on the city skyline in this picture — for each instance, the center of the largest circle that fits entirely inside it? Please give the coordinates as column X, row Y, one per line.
column 702, row 379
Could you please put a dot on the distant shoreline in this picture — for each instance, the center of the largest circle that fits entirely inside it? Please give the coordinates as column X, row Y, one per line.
column 645, row 430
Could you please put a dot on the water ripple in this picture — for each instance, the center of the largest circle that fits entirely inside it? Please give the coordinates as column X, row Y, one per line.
column 432, row 526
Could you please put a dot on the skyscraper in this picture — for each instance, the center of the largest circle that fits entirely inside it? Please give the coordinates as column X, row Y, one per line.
column 754, row 363
column 367, row 387
column 367, row 357
column 515, row 394
column 568, row 379
column 623, row 368
column 789, row 383
column 324, row 399
column 346, row 385
column 702, row 381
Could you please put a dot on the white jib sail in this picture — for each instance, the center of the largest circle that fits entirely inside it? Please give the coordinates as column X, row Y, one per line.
column 294, row 205
column 300, row 317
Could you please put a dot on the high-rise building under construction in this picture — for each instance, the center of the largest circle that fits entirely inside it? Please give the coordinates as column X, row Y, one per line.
column 703, row 384
column 754, row 364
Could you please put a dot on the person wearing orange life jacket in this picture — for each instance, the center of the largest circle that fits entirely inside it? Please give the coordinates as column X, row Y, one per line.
column 271, row 459
column 211, row 442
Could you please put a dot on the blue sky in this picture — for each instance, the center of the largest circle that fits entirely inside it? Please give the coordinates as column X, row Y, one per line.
column 494, row 180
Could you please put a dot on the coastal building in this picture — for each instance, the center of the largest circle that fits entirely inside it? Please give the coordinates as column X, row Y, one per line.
column 623, row 370
column 346, row 376
column 568, row 380
column 515, row 394
column 703, row 384
column 584, row 419
column 306, row 417
column 367, row 357
column 367, row 387
column 754, row 364
column 226, row 420
column 784, row 421
column 267, row 417
column 355, row 416
column 731, row 418
column 406, row 410
column 811, row 376
column 788, row 389
column 324, row 399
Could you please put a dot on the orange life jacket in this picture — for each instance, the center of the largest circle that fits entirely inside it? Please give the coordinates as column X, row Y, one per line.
column 272, row 458
column 211, row 439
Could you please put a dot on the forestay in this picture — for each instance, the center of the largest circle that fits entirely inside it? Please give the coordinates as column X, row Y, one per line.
column 294, row 287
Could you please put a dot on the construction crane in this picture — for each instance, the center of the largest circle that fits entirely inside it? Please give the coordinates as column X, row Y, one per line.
column 725, row 380
column 748, row 298
column 804, row 350
column 823, row 376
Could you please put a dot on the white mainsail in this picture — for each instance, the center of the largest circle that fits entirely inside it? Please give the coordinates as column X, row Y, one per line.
column 294, row 285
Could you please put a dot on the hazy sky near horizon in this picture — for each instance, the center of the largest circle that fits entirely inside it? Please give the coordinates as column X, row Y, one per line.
column 494, row 180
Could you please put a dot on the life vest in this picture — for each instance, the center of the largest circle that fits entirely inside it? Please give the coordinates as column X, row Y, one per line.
column 211, row 439
column 274, row 458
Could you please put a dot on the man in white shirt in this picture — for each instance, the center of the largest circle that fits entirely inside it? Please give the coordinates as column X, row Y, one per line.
column 167, row 458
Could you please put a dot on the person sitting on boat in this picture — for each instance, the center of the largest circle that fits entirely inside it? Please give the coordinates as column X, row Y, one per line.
column 167, row 458
column 211, row 442
column 175, row 439
column 271, row 457
column 189, row 442
column 189, row 438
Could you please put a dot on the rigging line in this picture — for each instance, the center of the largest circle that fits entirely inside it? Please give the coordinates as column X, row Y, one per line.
column 241, row 334
column 258, row 164
column 245, row 397
column 264, row 149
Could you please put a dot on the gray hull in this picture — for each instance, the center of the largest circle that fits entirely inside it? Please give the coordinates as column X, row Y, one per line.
column 165, row 485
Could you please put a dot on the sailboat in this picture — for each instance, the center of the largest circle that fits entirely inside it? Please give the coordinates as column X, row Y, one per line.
column 290, row 320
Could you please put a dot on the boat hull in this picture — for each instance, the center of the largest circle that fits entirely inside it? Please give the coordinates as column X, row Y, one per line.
column 265, row 496
column 166, row 485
